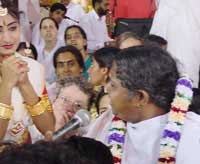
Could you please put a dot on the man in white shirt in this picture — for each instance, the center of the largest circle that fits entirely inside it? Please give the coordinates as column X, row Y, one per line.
column 141, row 88
column 178, row 22
column 74, row 12
column 94, row 24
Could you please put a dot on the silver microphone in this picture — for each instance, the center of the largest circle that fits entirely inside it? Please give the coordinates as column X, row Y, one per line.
column 81, row 119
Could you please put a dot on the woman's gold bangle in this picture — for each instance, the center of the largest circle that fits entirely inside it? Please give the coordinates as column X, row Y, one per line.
column 6, row 111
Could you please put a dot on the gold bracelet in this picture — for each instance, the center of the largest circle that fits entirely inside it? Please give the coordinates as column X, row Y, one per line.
column 47, row 103
column 6, row 111
column 40, row 107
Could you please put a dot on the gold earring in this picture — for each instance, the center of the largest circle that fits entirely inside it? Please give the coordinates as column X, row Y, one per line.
column 140, row 107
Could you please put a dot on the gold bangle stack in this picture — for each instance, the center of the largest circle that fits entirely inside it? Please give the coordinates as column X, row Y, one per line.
column 6, row 111
column 40, row 107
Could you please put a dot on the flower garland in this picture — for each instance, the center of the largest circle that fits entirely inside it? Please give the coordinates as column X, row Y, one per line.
column 116, row 138
column 172, row 132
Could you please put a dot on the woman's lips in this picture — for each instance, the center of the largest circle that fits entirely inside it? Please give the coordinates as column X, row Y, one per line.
column 8, row 46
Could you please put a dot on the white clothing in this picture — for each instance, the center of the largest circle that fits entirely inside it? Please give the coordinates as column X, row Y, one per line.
column 75, row 12
column 96, row 30
column 46, row 59
column 52, row 91
column 178, row 22
column 21, row 119
column 142, row 140
column 37, row 40
column 31, row 13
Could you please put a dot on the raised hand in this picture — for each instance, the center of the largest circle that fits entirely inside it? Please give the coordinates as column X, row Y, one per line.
column 12, row 70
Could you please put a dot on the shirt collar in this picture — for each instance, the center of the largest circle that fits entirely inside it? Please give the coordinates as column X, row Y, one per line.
column 94, row 13
column 150, row 123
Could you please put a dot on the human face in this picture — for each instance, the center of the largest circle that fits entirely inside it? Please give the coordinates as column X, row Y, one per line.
column 9, row 35
column 58, row 15
column 96, row 74
column 75, row 38
column 67, row 65
column 48, row 30
column 22, row 52
column 103, row 8
column 72, row 99
column 130, row 42
column 122, row 105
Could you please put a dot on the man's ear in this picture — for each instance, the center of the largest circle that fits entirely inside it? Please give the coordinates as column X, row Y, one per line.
column 141, row 98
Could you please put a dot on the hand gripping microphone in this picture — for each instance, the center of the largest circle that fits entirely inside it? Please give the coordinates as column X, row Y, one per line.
column 81, row 118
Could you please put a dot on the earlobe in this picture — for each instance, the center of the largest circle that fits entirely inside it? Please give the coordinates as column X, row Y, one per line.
column 141, row 98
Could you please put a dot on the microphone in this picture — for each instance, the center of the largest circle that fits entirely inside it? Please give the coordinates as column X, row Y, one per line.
column 73, row 20
column 81, row 118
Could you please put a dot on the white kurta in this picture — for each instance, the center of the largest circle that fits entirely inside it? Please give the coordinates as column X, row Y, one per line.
column 96, row 30
column 178, row 22
column 21, row 118
column 143, row 139
column 31, row 13
column 75, row 12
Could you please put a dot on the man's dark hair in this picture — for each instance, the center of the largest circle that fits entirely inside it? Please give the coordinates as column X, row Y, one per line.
column 96, row 1
column 45, row 18
column 150, row 69
column 58, row 6
column 74, row 52
column 81, row 31
column 77, row 150
column 105, row 56
column 90, row 149
column 155, row 39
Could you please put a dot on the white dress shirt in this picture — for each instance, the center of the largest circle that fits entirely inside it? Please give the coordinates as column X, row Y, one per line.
column 178, row 22
column 31, row 13
column 75, row 12
column 142, row 140
column 96, row 30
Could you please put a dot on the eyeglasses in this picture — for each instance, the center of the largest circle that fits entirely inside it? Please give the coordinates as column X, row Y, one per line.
column 76, row 104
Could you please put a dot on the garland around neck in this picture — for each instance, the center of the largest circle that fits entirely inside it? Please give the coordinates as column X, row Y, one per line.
column 172, row 132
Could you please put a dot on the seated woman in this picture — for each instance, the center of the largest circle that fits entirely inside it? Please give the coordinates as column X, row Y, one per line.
column 74, row 93
column 150, row 103
column 98, row 76
column 27, row 49
column 67, row 61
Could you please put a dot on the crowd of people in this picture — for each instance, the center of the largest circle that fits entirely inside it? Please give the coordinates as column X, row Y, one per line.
column 144, row 108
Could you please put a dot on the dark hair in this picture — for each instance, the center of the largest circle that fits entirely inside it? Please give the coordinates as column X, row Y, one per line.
column 151, row 69
column 90, row 149
column 96, row 1
column 105, row 56
column 45, row 18
column 81, row 31
column 127, row 35
column 42, row 153
column 195, row 106
column 155, row 39
column 71, row 49
column 22, row 45
column 58, row 6
column 12, row 8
